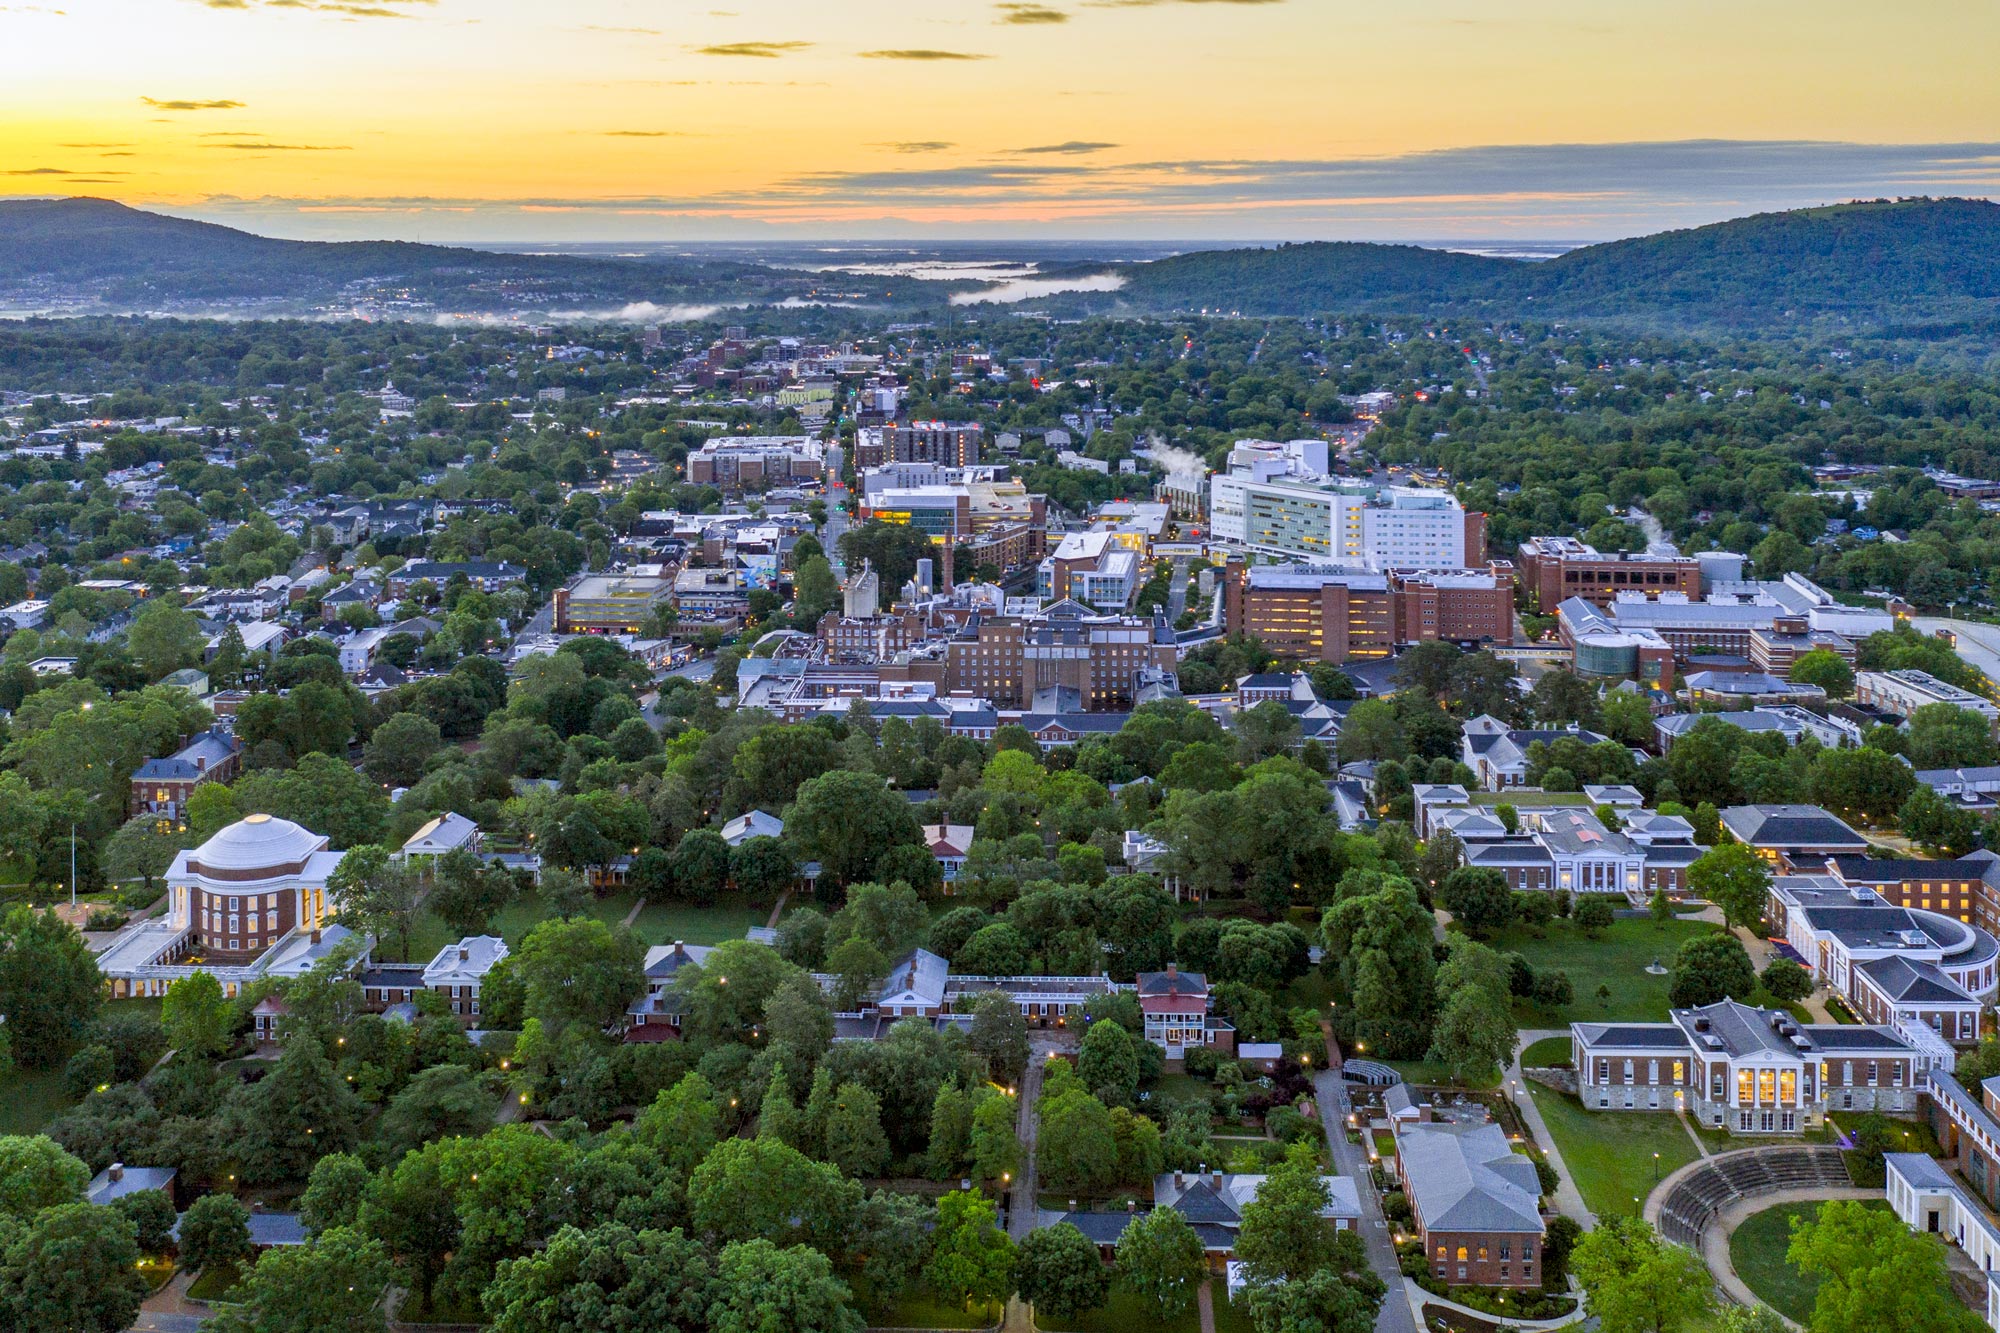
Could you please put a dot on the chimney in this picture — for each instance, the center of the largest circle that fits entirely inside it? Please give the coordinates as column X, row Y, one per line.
column 256, row 1205
column 1215, row 1182
column 1180, row 1182
column 464, row 954
column 1173, row 970
column 315, row 935
column 117, row 1172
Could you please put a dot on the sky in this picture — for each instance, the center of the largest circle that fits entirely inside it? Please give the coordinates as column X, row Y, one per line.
column 1179, row 120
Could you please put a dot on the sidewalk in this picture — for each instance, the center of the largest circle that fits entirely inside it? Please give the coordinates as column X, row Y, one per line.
column 1715, row 1240
column 1569, row 1200
column 1418, row 1298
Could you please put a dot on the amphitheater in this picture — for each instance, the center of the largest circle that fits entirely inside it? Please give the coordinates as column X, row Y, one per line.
column 1691, row 1199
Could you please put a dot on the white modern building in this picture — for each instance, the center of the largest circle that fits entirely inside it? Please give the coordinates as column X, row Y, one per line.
column 1384, row 527
column 1904, row 692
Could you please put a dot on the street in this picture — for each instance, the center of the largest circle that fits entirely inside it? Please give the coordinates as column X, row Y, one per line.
column 1350, row 1160
column 1978, row 643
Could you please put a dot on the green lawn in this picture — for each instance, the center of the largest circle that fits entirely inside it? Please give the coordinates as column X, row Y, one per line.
column 1548, row 1053
column 917, row 1309
column 1427, row 1073
column 1757, row 1249
column 1531, row 800
column 1124, row 1312
column 214, row 1284
column 1611, row 1154
column 1616, row 960
column 30, row 1098
column 663, row 923
column 658, row 923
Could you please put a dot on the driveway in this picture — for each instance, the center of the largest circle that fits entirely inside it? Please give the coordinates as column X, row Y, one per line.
column 1350, row 1160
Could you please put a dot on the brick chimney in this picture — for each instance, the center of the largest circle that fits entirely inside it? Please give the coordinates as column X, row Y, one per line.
column 117, row 1172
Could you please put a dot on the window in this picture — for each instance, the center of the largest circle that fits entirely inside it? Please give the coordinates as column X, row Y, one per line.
column 1461, row 1254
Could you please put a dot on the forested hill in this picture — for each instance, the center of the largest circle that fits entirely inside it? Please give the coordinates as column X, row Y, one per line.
column 130, row 257
column 1314, row 278
column 1920, row 266
column 1890, row 264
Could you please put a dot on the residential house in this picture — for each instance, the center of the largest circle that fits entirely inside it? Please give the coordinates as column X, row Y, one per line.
column 447, row 833
column 752, row 824
column 1498, row 754
column 161, row 787
column 1176, row 1009
column 460, row 969
column 949, row 845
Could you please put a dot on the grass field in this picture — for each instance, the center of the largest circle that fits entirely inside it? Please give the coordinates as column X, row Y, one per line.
column 657, row 923
column 1616, row 960
column 1125, row 1312
column 1611, row 1155
column 1429, row 1073
column 918, row 1310
column 1757, row 1249
column 1548, row 1053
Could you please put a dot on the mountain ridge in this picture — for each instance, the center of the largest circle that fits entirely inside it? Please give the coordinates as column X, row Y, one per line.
column 1911, row 264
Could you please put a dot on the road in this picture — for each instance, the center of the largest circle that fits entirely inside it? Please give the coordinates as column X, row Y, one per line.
column 1977, row 643
column 1177, row 594
column 1350, row 1160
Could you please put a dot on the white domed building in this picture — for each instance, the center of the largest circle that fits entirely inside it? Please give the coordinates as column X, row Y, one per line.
column 251, row 901
column 250, row 885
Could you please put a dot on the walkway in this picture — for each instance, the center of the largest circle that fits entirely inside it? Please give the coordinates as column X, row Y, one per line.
column 1715, row 1240
column 169, row 1310
column 1569, row 1199
column 633, row 915
column 1350, row 1160
column 1419, row 1298
column 1023, row 1211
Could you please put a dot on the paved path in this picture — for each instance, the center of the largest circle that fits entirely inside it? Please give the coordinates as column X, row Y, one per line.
column 1569, row 1200
column 633, row 915
column 778, row 909
column 1715, row 1240
column 1350, row 1160
column 1204, row 1305
column 169, row 1310
column 1022, row 1209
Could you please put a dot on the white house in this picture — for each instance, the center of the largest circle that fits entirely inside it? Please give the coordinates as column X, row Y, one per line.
column 460, row 969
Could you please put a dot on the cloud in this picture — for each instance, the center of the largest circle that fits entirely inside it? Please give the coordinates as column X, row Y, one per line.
column 345, row 8
column 918, row 146
column 755, row 50
column 1148, row 4
column 183, row 104
column 93, row 145
column 1071, row 147
column 644, row 134
column 258, row 146
column 40, row 171
column 921, row 53
column 1029, row 14
column 1540, row 191
column 630, row 32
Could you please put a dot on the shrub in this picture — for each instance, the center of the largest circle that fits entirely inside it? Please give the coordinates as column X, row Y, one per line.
column 1201, row 1062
